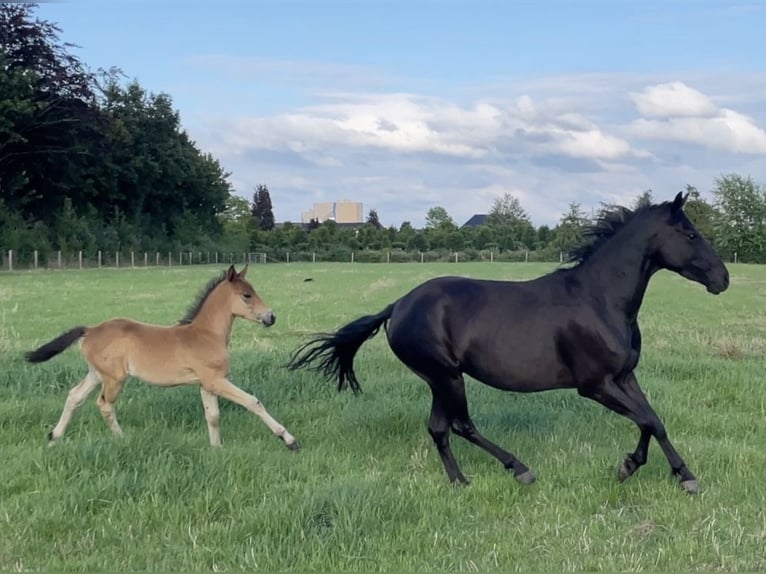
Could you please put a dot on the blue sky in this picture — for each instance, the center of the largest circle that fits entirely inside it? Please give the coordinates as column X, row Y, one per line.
column 407, row 105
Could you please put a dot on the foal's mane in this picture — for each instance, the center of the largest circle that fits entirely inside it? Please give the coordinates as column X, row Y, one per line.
column 195, row 307
column 610, row 220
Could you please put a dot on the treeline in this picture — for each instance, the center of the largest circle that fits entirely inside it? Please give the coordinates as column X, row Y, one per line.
column 735, row 222
column 89, row 162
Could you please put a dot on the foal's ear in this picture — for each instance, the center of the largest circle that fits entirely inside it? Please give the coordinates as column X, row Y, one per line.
column 679, row 201
column 242, row 273
column 231, row 273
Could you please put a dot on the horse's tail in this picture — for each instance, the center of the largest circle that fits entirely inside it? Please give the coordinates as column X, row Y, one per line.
column 334, row 352
column 56, row 346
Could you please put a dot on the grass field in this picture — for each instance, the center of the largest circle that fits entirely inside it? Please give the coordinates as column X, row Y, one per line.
column 368, row 491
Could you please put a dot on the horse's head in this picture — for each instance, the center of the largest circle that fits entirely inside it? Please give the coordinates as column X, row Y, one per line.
column 245, row 302
column 681, row 248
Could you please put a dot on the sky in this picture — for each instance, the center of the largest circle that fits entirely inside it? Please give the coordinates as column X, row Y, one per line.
column 406, row 105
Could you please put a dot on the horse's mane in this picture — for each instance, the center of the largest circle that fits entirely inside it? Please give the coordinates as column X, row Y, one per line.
column 610, row 220
column 195, row 307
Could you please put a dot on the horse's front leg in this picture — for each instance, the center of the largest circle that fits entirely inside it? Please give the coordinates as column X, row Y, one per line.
column 224, row 388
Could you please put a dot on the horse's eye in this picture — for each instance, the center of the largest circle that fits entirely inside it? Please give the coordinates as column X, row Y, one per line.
column 247, row 295
column 691, row 235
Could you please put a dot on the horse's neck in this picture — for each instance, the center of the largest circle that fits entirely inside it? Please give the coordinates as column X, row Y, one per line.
column 215, row 316
column 620, row 273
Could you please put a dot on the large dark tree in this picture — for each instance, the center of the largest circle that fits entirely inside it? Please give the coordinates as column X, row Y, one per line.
column 262, row 210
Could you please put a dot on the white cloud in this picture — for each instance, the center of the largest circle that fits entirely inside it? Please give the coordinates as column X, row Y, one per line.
column 550, row 141
column 687, row 115
column 671, row 100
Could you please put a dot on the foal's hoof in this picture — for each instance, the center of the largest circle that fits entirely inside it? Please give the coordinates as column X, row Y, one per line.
column 527, row 477
column 50, row 436
column 294, row 445
column 690, row 486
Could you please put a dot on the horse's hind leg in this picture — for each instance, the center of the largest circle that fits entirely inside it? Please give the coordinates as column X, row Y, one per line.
column 439, row 428
column 75, row 399
column 463, row 426
column 111, row 387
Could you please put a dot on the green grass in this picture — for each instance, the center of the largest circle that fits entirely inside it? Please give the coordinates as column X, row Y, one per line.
column 368, row 491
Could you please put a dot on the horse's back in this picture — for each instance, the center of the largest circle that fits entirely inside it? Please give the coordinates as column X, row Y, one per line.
column 507, row 334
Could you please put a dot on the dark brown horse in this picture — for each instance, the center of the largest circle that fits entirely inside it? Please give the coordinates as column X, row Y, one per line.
column 575, row 328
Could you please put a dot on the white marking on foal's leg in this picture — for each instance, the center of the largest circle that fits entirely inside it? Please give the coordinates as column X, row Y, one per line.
column 75, row 399
column 228, row 390
column 212, row 416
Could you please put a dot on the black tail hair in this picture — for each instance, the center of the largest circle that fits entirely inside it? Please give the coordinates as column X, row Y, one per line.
column 335, row 352
column 56, row 346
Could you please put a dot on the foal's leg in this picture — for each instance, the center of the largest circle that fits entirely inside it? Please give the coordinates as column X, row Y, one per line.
column 212, row 416
column 464, row 427
column 111, row 387
column 74, row 400
column 224, row 388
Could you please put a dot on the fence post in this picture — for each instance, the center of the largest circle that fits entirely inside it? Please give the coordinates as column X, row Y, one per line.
column 388, row 256
column 491, row 256
column 191, row 258
column 10, row 260
column 116, row 258
column 216, row 258
column 526, row 256
column 35, row 258
column 59, row 258
column 455, row 256
column 146, row 259
column 157, row 258
column 421, row 257
column 132, row 259
column 314, row 257
column 288, row 257
column 735, row 257
column 561, row 256
column 352, row 257
column 170, row 259
column 79, row 259
column 99, row 258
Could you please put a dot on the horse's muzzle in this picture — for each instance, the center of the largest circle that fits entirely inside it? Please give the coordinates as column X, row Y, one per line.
column 268, row 318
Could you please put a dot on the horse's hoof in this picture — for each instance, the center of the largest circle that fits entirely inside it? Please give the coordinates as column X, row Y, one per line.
column 690, row 486
column 527, row 477
column 294, row 445
column 626, row 470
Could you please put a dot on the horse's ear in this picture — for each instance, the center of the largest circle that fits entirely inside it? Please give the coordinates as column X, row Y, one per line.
column 679, row 201
column 242, row 273
column 231, row 273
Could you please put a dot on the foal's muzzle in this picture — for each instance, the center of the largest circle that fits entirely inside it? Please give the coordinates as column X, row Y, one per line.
column 268, row 318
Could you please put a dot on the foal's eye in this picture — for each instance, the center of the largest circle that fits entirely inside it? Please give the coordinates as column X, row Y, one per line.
column 247, row 295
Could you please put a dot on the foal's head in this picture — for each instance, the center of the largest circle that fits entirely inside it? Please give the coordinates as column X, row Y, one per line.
column 243, row 299
column 679, row 247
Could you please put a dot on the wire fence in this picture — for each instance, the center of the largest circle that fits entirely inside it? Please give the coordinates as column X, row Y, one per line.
column 13, row 260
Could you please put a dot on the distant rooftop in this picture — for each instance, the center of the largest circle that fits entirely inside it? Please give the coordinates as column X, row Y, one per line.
column 476, row 220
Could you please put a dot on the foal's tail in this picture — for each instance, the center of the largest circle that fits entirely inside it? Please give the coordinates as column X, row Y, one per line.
column 56, row 346
column 335, row 352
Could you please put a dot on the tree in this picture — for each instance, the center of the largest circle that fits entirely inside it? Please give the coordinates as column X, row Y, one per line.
column 570, row 228
column 372, row 219
column 740, row 225
column 700, row 213
column 511, row 223
column 261, row 209
column 438, row 218
column 644, row 198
